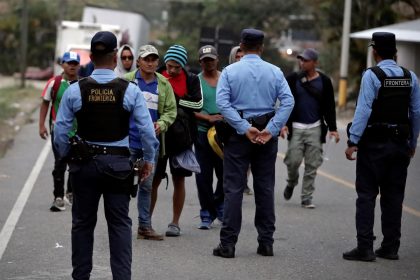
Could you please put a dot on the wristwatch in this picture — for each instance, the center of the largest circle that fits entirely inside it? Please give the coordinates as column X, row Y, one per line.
column 351, row 144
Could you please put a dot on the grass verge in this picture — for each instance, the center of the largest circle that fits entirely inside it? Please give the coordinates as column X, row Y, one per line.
column 16, row 107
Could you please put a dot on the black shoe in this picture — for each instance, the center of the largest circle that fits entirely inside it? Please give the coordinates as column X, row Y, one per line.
column 357, row 254
column 288, row 192
column 224, row 252
column 308, row 204
column 265, row 250
column 386, row 253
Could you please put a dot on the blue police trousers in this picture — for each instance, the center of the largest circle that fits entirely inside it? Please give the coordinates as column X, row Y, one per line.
column 239, row 153
column 89, row 184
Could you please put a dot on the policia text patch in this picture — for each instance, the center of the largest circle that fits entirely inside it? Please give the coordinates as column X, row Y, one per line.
column 101, row 95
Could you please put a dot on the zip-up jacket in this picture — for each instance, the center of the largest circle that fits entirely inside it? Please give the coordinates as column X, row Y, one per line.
column 166, row 106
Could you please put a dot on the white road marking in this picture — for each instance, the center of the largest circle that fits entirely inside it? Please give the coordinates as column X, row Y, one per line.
column 14, row 215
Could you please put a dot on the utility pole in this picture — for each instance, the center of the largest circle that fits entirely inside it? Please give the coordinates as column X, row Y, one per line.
column 342, row 91
column 23, row 42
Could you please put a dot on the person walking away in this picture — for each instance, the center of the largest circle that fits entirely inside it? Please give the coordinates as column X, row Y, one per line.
column 211, row 202
column 186, row 87
column 160, row 100
column 125, row 61
column 52, row 94
column 306, row 129
column 384, row 134
column 246, row 95
column 100, row 163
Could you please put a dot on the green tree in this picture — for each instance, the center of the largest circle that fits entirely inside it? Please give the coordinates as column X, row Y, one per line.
column 186, row 20
column 365, row 15
column 43, row 16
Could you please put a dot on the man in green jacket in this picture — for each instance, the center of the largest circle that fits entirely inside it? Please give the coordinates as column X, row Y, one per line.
column 161, row 103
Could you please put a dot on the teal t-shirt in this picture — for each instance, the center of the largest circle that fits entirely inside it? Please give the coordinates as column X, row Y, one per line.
column 209, row 103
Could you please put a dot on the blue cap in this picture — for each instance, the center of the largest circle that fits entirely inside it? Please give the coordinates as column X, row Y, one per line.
column 103, row 42
column 309, row 54
column 70, row 56
column 252, row 36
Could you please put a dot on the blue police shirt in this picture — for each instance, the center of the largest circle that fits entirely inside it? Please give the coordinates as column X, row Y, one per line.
column 368, row 93
column 133, row 102
column 253, row 86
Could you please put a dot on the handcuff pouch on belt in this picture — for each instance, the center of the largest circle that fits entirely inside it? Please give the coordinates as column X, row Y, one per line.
column 261, row 122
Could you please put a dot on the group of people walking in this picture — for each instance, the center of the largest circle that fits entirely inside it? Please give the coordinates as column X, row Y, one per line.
column 130, row 114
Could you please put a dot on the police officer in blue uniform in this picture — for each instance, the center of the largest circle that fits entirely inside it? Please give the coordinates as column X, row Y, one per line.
column 99, row 156
column 246, row 95
column 384, row 134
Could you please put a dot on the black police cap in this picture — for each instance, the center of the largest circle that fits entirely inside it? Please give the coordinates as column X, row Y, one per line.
column 252, row 36
column 103, row 42
column 383, row 41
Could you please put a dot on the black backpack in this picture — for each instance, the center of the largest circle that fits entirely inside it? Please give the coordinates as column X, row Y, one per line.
column 180, row 135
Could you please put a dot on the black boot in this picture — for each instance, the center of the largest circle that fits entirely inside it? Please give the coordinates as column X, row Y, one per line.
column 357, row 254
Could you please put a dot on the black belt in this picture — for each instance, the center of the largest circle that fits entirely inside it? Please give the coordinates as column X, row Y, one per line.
column 108, row 150
column 384, row 130
column 261, row 122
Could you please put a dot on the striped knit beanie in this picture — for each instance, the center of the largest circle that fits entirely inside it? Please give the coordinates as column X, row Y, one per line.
column 177, row 53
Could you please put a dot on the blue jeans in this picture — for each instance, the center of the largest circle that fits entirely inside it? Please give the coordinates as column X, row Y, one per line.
column 145, row 191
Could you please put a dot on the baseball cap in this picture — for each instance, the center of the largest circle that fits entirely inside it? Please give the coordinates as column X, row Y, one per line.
column 207, row 51
column 309, row 54
column 148, row 50
column 383, row 41
column 252, row 36
column 103, row 42
column 70, row 56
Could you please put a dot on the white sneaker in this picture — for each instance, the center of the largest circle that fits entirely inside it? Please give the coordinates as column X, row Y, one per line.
column 58, row 205
column 68, row 198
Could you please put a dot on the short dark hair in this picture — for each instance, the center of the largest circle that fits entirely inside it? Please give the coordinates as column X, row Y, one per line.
column 250, row 47
column 385, row 53
column 102, row 58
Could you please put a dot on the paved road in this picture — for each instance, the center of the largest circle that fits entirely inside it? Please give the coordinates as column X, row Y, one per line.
column 308, row 243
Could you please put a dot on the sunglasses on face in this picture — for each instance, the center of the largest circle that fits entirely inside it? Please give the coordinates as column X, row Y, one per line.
column 127, row 57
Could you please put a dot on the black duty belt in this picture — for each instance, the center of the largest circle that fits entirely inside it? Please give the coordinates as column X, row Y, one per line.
column 108, row 150
column 261, row 122
column 384, row 130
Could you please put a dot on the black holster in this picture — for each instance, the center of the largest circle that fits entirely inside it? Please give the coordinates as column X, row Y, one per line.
column 223, row 131
column 261, row 122
column 79, row 150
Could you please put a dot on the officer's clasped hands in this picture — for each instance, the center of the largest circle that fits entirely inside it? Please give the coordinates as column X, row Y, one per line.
column 258, row 137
